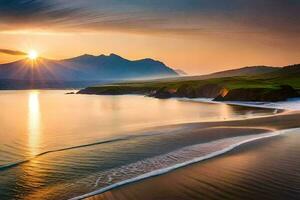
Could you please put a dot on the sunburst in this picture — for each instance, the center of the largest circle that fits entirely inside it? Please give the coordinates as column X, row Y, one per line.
column 33, row 55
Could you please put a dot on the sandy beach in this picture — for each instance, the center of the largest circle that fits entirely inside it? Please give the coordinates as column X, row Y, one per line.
column 263, row 169
column 111, row 165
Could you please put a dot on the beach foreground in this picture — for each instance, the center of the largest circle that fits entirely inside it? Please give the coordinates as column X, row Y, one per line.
column 264, row 169
column 110, row 143
column 260, row 165
column 45, row 159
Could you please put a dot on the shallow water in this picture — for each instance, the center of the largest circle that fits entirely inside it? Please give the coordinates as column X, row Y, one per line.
column 72, row 141
column 264, row 169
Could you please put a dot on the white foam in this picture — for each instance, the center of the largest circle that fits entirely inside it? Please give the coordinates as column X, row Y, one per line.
column 291, row 104
column 183, row 164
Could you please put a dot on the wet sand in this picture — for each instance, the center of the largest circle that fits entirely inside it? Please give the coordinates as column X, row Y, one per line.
column 264, row 169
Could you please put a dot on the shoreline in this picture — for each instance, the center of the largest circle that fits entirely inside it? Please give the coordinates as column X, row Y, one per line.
column 180, row 183
column 287, row 123
column 281, row 105
column 165, row 145
column 176, row 125
column 165, row 171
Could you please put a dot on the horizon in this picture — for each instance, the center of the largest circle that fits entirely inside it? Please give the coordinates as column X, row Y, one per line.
column 198, row 37
column 149, row 99
column 27, row 57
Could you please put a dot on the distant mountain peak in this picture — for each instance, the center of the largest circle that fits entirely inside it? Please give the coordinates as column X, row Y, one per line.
column 114, row 55
column 111, row 56
column 81, row 57
column 86, row 67
column 85, row 56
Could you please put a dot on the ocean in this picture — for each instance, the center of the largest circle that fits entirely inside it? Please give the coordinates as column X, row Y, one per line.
column 58, row 146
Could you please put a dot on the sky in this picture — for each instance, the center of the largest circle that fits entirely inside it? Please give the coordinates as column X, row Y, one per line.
column 197, row 36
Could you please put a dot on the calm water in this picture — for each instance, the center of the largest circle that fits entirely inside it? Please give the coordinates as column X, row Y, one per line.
column 75, row 144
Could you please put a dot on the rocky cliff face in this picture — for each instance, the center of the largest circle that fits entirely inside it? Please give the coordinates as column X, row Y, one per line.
column 259, row 94
column 215, row 91
column 188, row 91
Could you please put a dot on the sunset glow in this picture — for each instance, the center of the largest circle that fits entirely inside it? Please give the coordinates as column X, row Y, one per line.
column 195, row 36
column 97, row 97
column 32, row 55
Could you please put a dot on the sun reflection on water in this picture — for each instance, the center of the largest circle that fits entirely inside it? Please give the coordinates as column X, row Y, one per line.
column 226, row 111
column 33, row 122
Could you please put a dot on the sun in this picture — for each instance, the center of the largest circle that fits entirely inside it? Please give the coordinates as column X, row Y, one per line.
column 32, row 55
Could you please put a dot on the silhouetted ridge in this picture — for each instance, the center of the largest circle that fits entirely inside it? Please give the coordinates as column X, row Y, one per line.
column 112, row 55
column 85, row 68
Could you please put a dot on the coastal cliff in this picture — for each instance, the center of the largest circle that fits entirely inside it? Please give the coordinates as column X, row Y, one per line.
column 278, row 85
column 217, row 92
column 259, row 94
column 188, row 91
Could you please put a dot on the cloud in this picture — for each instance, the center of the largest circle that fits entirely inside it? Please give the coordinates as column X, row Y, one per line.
column 154, row 16
column 12, row 52
column 20, row 14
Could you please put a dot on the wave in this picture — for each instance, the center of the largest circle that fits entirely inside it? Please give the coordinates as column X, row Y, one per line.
column 206, row 100
column 184, row 152
column 291, row 104
column 116, row 139
column 2, row 167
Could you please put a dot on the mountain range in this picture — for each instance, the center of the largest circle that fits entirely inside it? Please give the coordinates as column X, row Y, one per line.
column 85, row 68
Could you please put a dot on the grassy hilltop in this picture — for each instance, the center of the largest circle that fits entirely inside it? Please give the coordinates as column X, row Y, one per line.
column 277, row 85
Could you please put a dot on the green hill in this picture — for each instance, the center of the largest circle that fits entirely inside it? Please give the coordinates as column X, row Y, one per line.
column 277, row 85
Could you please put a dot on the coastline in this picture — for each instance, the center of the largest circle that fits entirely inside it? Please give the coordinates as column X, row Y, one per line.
column 151, row 152
column 289, row 105
column 233, row 175
column 285, row 120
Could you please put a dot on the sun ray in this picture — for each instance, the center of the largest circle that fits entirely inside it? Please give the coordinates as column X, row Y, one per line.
column 33, row 55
